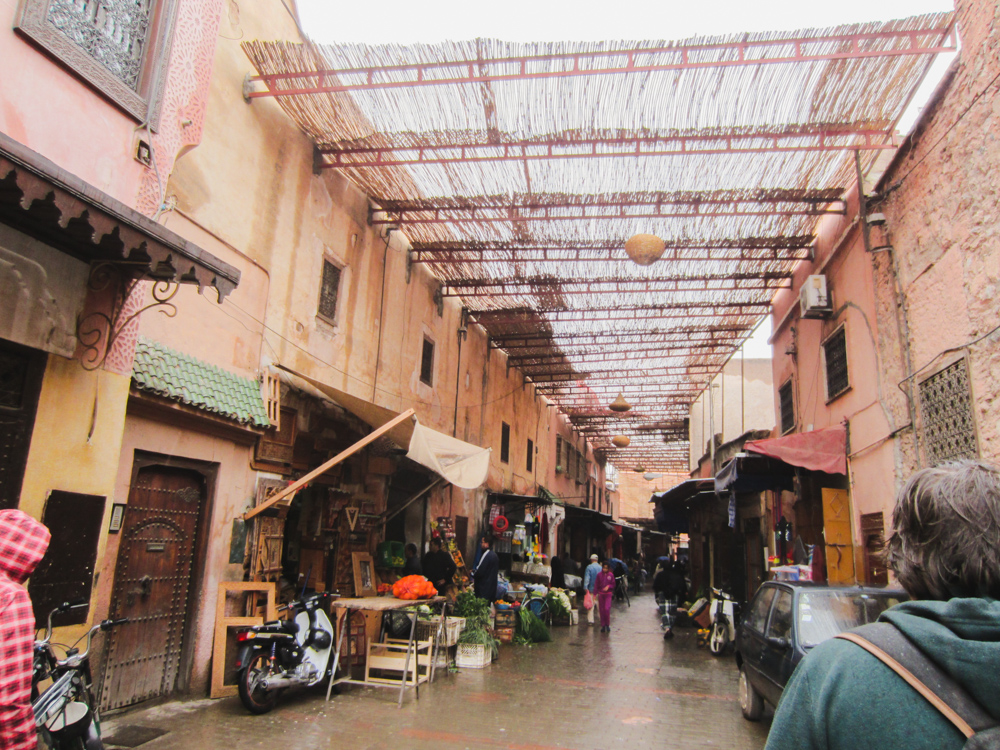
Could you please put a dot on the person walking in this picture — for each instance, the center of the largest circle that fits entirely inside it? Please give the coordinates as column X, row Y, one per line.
column 23, row 542
column 605, row 586
column 589, row 581
column 944, row 552
column 487, row 572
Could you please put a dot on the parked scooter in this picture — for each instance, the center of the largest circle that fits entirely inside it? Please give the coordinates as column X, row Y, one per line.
column 725, row 613
column 284, row 653
column 66, row 714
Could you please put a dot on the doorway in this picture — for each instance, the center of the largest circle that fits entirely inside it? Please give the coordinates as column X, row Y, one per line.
column 21, row 371
column 153, row 577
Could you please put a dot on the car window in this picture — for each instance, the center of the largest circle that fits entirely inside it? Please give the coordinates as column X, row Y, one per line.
column 757, row 617
column 781, row 616
column 824, row 614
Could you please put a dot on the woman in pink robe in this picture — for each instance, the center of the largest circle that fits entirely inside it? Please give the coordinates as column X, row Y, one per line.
column 605, row 590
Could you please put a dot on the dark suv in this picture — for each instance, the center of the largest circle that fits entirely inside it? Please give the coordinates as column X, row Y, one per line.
column 785, row 620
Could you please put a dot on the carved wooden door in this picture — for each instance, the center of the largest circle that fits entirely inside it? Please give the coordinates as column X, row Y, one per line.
column 153, row 585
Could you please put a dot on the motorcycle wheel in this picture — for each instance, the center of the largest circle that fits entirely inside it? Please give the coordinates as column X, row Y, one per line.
column 252, row 696
column 718, row 642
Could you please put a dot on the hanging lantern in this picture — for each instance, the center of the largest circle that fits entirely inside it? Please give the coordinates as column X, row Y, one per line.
column 620, row 404
column 645, row 249
column 639, row 469
column 620, row 441
column 649, row 476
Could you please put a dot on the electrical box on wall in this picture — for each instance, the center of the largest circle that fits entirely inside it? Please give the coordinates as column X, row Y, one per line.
column 813, row 297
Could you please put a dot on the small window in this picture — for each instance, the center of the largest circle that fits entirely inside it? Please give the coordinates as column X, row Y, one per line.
column 787, row 405
column 759, row 608
column 947, row 425
column 504, row 443
column 530, row 462
column 329, row 291
column 559, row 462
column 835, row 354
column 119, row 48
column 427, row 363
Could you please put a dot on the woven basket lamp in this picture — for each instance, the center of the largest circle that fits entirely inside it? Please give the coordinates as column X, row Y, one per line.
column 620, row 404
column 645, row 249
column 639, row 469
column 620, row 441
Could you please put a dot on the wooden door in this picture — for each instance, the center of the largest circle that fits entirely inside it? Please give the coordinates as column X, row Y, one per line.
column 837, row 533
column 153, row 585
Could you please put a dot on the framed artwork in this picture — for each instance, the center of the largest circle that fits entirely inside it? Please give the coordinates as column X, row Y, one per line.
column 364, row 574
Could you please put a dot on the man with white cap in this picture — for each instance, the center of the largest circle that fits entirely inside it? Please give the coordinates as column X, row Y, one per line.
column 589, row 582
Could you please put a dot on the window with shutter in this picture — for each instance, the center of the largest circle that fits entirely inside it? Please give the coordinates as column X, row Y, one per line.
column 835, row 354
column 787, row 406
column 427, row 362
column 504, row 443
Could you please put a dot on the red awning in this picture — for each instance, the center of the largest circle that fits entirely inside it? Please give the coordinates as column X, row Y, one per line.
column 819, row 450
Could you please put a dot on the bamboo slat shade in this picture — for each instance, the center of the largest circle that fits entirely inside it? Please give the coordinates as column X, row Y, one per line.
column 519, row 171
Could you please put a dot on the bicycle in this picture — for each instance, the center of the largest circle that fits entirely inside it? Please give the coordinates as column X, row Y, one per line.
column 537, row 605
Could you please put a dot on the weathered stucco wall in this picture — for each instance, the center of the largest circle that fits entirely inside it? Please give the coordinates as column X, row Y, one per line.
column 941, row 210
column 744, row 399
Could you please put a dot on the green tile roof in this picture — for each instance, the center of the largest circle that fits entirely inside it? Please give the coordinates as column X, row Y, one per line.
column 171, row 374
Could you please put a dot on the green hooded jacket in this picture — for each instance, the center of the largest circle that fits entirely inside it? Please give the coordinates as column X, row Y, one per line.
column 842, row 697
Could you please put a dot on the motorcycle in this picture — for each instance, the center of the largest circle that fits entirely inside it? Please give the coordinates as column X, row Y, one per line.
column 724, row 620
column 283, row 653
column 66, row 716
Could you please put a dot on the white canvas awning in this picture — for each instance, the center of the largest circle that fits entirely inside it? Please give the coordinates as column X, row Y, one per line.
column 463, row 464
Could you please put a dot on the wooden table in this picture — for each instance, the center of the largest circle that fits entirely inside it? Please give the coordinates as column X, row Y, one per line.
column 386, row 604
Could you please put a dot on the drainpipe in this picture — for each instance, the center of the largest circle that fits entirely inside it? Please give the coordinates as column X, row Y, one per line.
column 462, row 333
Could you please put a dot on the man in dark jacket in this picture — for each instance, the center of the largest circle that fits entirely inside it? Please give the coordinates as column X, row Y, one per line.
column 23, row 542
column 944, row 552
column 438, row 565
column 487, row 572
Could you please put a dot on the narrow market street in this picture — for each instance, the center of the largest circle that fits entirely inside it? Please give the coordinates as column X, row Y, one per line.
column 583, row 691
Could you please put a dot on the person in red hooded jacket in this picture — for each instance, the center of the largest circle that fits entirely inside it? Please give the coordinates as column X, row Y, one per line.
column 23, row 542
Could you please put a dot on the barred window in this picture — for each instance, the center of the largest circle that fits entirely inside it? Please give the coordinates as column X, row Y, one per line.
column 559, row 462
column 117, row 46
column 328, row 291
column 949, row 431
column 427, row 363
column 835, row 351
column 787, row 405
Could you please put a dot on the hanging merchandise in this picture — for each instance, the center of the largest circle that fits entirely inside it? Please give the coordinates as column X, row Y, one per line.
column 519, row 534
column 500, row 524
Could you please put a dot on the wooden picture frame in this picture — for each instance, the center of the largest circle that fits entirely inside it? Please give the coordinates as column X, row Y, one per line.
column 364, row 574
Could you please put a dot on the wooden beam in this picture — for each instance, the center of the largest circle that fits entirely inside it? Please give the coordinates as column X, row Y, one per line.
column 375, row 435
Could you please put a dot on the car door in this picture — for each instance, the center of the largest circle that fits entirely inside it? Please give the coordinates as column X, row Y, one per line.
column 751, row 639
column 776, row 658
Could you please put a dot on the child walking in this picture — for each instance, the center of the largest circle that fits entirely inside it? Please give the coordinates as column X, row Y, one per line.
column 605, row 588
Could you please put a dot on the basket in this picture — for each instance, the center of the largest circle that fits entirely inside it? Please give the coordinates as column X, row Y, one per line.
column 472, row 656
column 427, row 629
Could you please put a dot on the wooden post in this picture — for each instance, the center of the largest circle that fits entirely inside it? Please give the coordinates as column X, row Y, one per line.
column 375, row 435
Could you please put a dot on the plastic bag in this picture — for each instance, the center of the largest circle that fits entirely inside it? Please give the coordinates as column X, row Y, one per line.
column 588, row 601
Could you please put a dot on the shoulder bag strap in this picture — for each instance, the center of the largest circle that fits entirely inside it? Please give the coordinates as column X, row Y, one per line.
column 885, row 642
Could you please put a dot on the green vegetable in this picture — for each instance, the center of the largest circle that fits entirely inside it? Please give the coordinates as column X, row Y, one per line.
column 479, row 637
column 476, row 611
column 531, row 627
column 558, row 605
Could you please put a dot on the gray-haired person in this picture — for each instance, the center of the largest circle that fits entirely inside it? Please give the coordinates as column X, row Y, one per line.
column 945, row 551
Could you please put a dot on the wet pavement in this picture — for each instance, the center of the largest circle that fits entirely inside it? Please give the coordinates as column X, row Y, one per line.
column 586, row 690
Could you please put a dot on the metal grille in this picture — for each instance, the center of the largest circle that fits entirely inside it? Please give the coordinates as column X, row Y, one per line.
column 113, row 32
column 787, row 407
column 328, row 293
column 946, row 407
column 836, row 364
